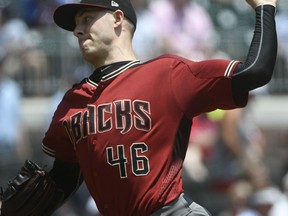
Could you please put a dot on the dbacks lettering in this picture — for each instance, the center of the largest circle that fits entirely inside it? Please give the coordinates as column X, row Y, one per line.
column 122, row 115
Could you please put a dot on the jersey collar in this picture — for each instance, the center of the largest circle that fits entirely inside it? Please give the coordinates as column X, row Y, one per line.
column 107, row 72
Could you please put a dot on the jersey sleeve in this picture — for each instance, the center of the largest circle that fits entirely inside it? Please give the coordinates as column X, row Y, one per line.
column 204, row 86
column 56, row 142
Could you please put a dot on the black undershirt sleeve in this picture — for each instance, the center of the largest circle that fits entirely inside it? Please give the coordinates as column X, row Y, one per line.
column 258, row 68
column 67, row 176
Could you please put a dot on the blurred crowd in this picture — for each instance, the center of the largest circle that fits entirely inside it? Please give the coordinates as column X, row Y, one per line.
column 233, row 166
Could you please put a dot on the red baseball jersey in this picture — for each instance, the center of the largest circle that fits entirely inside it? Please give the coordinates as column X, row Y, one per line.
column 129, row 132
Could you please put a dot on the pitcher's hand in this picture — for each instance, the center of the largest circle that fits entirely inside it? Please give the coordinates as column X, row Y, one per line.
column 255, row 3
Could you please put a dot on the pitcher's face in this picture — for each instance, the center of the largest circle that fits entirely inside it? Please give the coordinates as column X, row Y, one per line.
column 94, row 30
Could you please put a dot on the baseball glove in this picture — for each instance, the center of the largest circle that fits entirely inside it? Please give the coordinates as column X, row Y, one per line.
column 31, row 193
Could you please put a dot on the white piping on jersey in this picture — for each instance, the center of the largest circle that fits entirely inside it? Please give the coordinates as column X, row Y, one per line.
column 120, row 70
column 229, row 68
column 49, row 151
column 261, row 41
column 116, row 72
column 90, row 82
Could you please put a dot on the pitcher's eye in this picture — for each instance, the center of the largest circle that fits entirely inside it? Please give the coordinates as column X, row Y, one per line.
column 87, row 19
column 84, row 20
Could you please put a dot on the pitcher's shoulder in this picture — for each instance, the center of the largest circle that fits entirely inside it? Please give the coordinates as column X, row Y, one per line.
column 169, row 59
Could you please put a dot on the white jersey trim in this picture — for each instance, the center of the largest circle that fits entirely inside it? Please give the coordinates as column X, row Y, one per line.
column 229, row 68
column 48, row 151
column 114, row 73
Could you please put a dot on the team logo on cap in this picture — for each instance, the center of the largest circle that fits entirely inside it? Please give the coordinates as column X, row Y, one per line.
column 114, row 4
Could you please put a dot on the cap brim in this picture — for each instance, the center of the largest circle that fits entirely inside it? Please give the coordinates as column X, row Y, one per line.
column 64, row 15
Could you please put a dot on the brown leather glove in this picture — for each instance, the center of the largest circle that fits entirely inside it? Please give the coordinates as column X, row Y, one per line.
column 31, row 193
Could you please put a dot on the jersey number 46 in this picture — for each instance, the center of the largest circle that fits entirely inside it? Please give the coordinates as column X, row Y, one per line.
column 139, row 162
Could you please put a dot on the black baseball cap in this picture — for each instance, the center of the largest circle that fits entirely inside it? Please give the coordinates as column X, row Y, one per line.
column 64, row 15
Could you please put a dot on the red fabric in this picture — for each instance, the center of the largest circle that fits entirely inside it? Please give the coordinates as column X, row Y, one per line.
column 130, row 135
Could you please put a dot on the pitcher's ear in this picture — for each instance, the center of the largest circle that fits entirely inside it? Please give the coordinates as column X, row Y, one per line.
column 118, row 16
